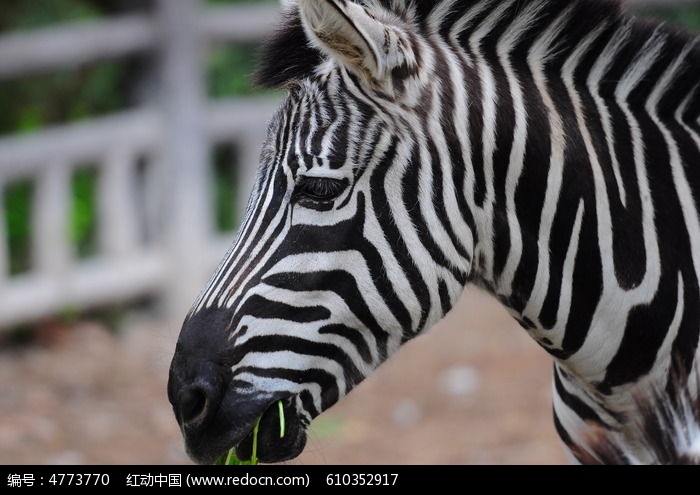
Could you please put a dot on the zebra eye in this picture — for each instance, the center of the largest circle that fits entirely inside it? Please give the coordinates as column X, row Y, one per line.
column 318, row 191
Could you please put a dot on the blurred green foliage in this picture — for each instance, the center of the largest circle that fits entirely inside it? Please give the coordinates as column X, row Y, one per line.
column 21, row 14
column 686, row 16
column 64, row 96
column 225, row 187
column 18, row 199
column 83, row 214
column 229, row 71
column 35, row 102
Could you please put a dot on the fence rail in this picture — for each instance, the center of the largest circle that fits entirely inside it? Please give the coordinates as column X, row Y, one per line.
column 155, row 224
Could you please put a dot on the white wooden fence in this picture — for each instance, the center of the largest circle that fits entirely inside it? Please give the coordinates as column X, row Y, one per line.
column 156, row 229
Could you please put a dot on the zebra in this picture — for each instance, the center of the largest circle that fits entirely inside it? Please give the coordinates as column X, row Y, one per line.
column 542, row 150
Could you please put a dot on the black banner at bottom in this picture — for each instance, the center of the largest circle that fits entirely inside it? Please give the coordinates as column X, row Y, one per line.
column 20, row 478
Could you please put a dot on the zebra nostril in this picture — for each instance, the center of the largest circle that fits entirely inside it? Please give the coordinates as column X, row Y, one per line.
column 193, row 403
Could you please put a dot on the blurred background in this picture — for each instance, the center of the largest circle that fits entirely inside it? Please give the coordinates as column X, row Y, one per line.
column 129, row 136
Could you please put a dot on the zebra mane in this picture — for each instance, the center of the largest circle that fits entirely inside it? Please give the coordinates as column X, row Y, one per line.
column 288, row 56
column 667, row 431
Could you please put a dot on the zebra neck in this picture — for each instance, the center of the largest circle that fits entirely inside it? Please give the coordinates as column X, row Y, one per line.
column 567, row 104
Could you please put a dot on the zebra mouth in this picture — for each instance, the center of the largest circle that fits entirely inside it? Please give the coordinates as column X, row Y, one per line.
column 232, row 426
column 277, row 440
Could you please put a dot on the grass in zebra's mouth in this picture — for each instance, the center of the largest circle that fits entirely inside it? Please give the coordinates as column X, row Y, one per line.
column 231, row 458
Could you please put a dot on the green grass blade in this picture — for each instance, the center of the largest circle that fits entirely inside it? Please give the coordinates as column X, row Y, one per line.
column 231, row 458
column 282, row 421
column 254, row 455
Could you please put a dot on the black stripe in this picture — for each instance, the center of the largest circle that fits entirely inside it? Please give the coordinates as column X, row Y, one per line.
column 299, row 345
column 343, row 284
column 411, row 193
column 446, row 105
column 382, row 209
column 313, row 376
column 531, row 190
column 576, row 404
column 563, row 434
column 444, row 297
column 263, row 308
column 353, row 335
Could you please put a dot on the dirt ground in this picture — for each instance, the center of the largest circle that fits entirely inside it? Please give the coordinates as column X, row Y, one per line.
column 475, row 390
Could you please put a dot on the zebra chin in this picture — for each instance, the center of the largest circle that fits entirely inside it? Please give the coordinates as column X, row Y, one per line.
column 232, row 426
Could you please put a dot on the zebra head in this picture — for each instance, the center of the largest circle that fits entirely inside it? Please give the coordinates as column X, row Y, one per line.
column 335, row 264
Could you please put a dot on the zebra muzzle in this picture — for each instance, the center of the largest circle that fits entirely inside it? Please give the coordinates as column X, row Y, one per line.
column 209, row 433
column 217, row 411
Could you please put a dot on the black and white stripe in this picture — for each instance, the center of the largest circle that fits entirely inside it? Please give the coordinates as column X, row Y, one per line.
column 545, row 150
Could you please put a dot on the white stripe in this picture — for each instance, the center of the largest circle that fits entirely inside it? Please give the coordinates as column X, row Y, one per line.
column 537, row 56
column 439, row 13
column 681, row 111
column 663, row 356
column 485, row 247
column 290, row 360
column 459, row 114
column 464, row 23
column 602, row 65
column 279, row 384
column 567, row 283
column 683, row 190
column 427, row 202
column 518, row 149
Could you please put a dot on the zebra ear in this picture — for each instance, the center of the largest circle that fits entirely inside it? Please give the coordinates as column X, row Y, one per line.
column 347, row 32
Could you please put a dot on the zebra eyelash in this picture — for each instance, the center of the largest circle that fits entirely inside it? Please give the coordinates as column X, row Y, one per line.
column 318, row 192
